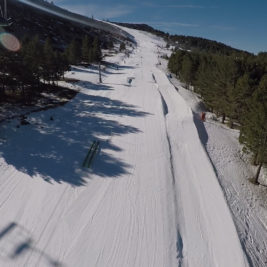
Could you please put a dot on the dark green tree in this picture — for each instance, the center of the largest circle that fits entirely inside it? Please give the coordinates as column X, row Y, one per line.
column 122, row 46
column 96, row 50
column 48, row 62
column 32, row 54
column 86, row 46
column 73, row 52
column 176, row 61
column 240, row 95
column 254, row 126
column 189, row 68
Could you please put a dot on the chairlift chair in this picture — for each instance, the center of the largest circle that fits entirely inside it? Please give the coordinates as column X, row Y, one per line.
column 4, row 20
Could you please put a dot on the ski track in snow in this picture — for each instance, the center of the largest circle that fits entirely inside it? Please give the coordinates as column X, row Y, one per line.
column 247, row 202
column 151, row 198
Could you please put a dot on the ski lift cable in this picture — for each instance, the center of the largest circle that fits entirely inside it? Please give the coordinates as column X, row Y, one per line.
column 1, row 12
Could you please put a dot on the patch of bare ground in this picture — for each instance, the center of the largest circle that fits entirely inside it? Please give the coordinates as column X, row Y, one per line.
column 14, row 104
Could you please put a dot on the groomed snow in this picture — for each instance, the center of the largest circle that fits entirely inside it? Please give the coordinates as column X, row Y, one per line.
column 151, row 198
column 246, row 201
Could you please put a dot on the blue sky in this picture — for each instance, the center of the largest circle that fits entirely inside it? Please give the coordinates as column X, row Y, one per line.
column 239, row 23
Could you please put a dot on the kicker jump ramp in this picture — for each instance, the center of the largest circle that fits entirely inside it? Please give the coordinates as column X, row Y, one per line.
column 91, row 154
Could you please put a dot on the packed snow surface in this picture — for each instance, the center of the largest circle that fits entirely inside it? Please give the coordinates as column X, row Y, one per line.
column 247, row 201
column 151, row 198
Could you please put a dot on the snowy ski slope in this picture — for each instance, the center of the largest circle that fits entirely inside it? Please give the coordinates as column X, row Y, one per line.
column 151, row 197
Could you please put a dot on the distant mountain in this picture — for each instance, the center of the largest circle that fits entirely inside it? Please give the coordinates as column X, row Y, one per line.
column 60, row 25
column 42, row 18
column 187, row 42
column 201, row 44
column 142, row 27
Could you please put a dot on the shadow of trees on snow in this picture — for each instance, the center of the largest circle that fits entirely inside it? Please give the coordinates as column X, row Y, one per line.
column 16, row 241
column 55, row 149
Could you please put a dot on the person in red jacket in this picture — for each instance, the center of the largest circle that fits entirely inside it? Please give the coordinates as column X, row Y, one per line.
column 203, row 116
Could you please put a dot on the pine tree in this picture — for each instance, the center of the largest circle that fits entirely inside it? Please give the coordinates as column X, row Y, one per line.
column 86, row 46
column 110, row 44
column 73, row 52
column 175, row 62
column 96, row 50
column 122, row 46
column 234, row 71
column 63, row 64
column 187, row 70
column 32, row 54
column 48, row 61
column 4, row 63
column 240, row 95
column 254, row 126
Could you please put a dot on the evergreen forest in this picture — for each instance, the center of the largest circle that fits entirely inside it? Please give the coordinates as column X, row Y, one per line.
column 234, row 86
column 38, row 64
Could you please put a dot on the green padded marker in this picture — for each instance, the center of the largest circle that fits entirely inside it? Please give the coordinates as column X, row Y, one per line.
column 90, row 155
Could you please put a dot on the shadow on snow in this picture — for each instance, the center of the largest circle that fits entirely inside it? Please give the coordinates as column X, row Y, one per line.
column 92, row 86
column 16, row 241
column 116, row 66
column 203, row 136
column 55, row 149
column 94, row 69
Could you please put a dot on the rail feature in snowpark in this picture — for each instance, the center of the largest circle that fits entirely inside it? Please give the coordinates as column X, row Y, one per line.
column 91, row 154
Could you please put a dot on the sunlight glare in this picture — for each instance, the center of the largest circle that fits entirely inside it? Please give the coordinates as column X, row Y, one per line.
column 10, row 42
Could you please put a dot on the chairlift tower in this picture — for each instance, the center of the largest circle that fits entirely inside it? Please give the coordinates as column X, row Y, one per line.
column 4, row 20
column 5, row 9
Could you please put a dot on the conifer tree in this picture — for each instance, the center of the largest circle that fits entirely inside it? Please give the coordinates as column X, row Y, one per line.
column 175, row 62
column 4, row 77
column 32, row 54
column 86, row 46
column 254, row 126
column 110, row 44
column 48, row 61
column 96, row 50
column 189, row 67
column 73, row 52
column 187, row 70
column 240, row 96
column 122, row 46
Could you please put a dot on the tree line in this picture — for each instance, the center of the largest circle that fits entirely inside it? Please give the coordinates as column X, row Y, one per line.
column 201, row 44
column 87, row 50
column 186, row 42
column 234, row 87
column 38, row 63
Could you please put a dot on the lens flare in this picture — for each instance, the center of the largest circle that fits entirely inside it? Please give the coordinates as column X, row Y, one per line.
column 10, row 42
